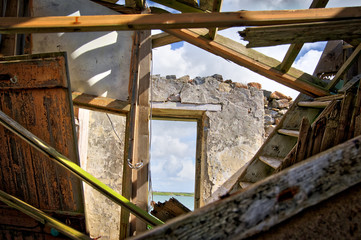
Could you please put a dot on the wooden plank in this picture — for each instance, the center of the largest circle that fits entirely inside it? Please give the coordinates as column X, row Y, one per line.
column 8, row 41
column 245, row 184
column 318, row 130
column 271, row 161
column 140, row 176
column 169, row 209
column 329, row 136
column 294, row 49
column 217, row 5
column 288, row 132
column 171, row 21
column 206, row 4
column 42, row 217
column 355, row 115
column 177, row 5
column 46, row 111
column 271, row 201
column 160, row 111
column 301, row 33
column 252, row 60
column 345, row 67
column 314, row 104
column 161, row 39
column 301, row 146
column 345, row 116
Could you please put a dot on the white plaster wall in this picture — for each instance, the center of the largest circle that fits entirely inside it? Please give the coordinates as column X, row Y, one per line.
column 99, row 62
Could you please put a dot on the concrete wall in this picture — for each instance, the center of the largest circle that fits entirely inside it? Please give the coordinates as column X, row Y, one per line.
column 232, row 136
column 99, row 62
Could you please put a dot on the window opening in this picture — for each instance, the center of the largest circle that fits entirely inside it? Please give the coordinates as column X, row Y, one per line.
column 172, row 161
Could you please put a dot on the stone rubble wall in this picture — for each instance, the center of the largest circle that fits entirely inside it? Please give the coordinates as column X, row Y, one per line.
column 233, row 135
column 276, row 105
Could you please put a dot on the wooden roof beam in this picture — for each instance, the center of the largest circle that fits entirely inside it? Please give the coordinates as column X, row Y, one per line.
column 295, row 48
column 182, row 7
column 171, row 21
column 300, row 33
column 217, row 5
column 253, row 60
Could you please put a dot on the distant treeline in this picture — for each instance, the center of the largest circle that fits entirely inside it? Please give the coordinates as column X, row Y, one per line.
column 173, row 194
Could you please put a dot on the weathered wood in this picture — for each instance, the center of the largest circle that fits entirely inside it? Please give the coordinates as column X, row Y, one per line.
column 161, row 39
column 329, row 136
column 345, row 67
column 142, row 154
column 272, row 201
column 345, row 116
column 355, row 114
column 301, row 33
column 318, row 130
column 171, row 21
column 288, row 161
column 8, row 41
column 245, row 184
column 177, row 5
column 206, row 4
column 314, row 104
column 169, row 209
column 252, row 60
column 331, row 60
column 42, row 217
column 329, row 98
column 294, row 49
column 217, row 5
column 271, row 161
column 301, row 146
column 38, row 98
column 100, row 104
column 291, row 133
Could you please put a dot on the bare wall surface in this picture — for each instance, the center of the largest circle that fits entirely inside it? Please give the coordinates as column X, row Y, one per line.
column 233, row 135
column 99, row 62
column 105, row 162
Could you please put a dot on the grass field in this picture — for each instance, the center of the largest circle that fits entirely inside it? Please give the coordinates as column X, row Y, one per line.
column 173, row 194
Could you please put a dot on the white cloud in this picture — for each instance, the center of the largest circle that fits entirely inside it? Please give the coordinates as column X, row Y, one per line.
column 308, row 62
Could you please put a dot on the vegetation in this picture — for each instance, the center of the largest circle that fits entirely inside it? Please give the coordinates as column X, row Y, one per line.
column 173, row 194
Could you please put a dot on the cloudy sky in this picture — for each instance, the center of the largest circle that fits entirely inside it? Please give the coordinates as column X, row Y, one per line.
column 173, row 146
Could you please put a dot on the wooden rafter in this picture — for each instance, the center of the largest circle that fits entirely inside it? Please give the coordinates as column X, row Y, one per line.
column 177, row 5
column 118, row 8
column 217, row 5
column 169, row 21
column 252, row 60
column 295, row 48
column 304, row 32
column 206, row 4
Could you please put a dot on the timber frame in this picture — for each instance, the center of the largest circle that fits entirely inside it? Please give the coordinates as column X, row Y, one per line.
column 198, row 24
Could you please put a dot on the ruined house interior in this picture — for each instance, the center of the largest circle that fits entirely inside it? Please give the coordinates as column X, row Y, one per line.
column 61, row 57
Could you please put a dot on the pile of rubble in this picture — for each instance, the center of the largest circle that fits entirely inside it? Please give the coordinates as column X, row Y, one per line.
column 276, row 105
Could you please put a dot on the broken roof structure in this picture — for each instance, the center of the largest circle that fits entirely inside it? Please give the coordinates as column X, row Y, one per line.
column 310, row 162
